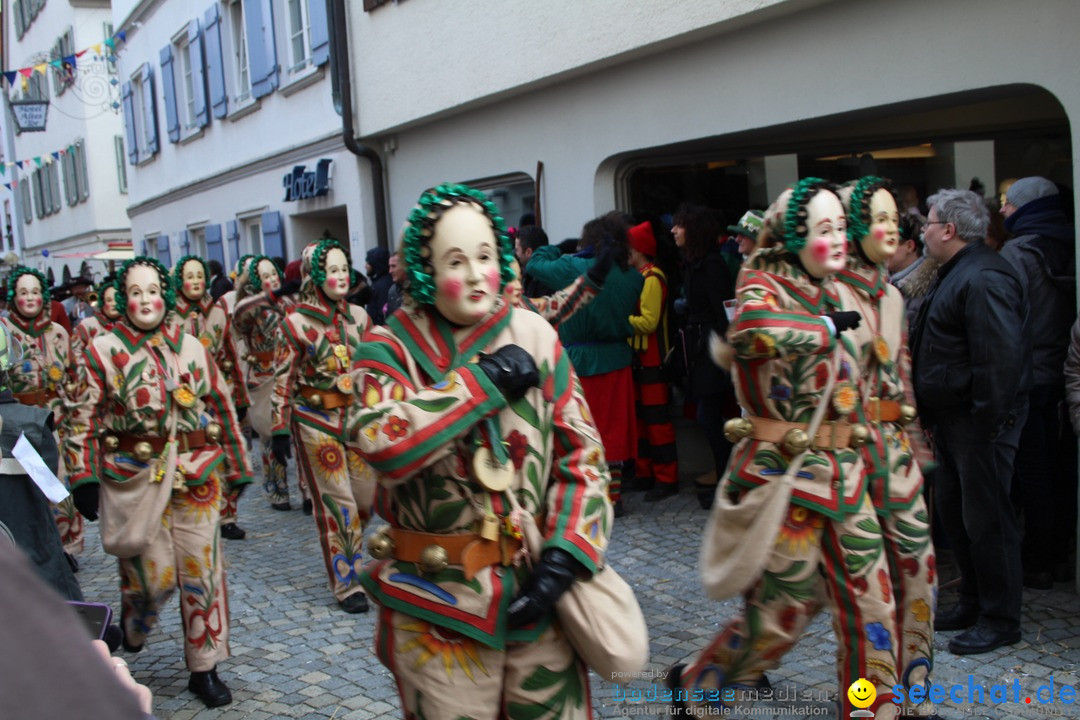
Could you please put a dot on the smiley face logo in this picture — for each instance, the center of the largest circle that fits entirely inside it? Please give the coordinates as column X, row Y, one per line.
column 861, row 693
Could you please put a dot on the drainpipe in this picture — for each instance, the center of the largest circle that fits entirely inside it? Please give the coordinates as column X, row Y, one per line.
column 339, row 58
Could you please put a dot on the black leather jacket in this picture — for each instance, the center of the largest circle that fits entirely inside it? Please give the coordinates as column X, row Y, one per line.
column 970, row 345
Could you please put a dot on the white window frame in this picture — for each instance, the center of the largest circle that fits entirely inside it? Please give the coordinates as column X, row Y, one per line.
column 251, row 238
column 197, row 241
column 301, row 34
column 185, row 82
column 239, row 61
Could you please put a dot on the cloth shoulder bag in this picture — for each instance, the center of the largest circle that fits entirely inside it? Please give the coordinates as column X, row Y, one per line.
column 131, row 511
column 600, row 615
column 740, row 534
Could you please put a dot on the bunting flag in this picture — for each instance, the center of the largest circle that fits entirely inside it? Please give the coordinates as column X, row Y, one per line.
column 38, row 160
column 70, row 61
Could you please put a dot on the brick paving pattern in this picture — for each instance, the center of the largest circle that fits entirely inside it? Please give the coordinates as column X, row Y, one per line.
column 295, row 654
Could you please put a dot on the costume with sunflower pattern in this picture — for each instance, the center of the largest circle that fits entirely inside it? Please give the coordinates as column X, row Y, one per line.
column 42, row 379
column 138, row 383
column 314, row 352
column 830, row 542
column 894, row 476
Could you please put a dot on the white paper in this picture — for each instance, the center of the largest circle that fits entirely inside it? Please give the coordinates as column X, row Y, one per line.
column 38, row 471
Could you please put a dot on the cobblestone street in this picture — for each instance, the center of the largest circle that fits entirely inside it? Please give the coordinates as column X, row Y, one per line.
column 296, row 654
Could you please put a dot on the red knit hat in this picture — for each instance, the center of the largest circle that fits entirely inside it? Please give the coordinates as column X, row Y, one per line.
column 642, row 239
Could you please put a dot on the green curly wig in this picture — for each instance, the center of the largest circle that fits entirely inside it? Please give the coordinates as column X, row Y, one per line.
column 253, row 279
column 168, row 293
column 240, row 263
column 858, row 209
column 795, row 226
column 18, row 272
column 178, row 272
column 318, row 260
column 421, row 228
column 110, row 282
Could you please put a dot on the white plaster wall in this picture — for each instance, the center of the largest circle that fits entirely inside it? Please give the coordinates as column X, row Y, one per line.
column 75, row 114
column 416, row 59
column 833, row 58
column 279, row 124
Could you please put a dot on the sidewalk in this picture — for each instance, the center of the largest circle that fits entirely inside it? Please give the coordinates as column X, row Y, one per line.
column 296, row 655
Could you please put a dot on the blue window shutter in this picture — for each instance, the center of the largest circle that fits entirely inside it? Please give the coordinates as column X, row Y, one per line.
column 168, row 88
column 215, row 65
column 184, row 241
column 163, row 252
column 232, row 235
column 198, row 78
column 262, row 50
column 142, row 247
column 151, row 108
column 214, row 249
column 320, row 32
column 129, row 123
column 273, row 235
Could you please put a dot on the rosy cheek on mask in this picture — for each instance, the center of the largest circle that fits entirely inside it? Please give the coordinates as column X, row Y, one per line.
column 493, row 277
column 158, row 305
column 133, row 306
column 879, row 234
column 820, row 249
column 331, row 283
column 451, row 289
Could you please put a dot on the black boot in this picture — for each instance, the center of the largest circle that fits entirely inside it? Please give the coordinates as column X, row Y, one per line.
column 232, row 531
column 208, row 686
column 124, row 639
column 308, row 506
column 355, row 603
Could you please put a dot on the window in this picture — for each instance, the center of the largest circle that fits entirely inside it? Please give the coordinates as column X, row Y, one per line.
column 160, row 244
column 76, row 177
column 25, row 11
column 110, row 55
column 121, row 168
column 197, row 242
column 140, row 115
column 251, row 237
column 299, row 37
column 54, row 184
column 46, row 188
column 27, row 209
column 239, row 51
column 64, row 76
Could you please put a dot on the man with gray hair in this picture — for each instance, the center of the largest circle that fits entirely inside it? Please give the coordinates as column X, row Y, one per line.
column 971, row 362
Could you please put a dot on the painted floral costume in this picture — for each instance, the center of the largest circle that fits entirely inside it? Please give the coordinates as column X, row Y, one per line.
column 47, row 366
column 317, row 343
column 257, row 322
column 831, row 539
column 87, row 330
column 209, row 323
column 135, row 382
column 426, row 411
column 895, row 481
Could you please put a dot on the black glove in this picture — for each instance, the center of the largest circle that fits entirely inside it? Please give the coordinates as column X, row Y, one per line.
column 290, row 288
column 549, row 580
column 511, row 369
column 605, row 258
column 239, row 490
column 241, row 414
column 281, row 448
column 85, row 498
column 844, row 320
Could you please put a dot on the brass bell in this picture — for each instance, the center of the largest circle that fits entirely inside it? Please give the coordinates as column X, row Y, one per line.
column 738, row 428
column 796, row 441
column 143, row 451
column 70, row 389
column 907, row 413
column 380, row 546
column 433, row 559
column 213, row 433
column 111, row 443
column 249, row 359
column 860, row 436
column 315, row 400
column 227, row 366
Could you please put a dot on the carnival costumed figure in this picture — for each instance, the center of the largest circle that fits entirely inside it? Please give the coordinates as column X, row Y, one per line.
column 44, row 376
column 260, row 309
column 105, row 315
column 312, row 401
column 892, row 457
column 154, row 444
column 206, row 320
column 25, row 512
column 227, row 302
column 465, row 400
column 789, row 324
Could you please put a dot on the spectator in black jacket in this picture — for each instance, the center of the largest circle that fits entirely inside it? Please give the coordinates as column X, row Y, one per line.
column 1042, row 252
column 378, row 272
column 219, row 283
column 972, row 370
column 528, row 239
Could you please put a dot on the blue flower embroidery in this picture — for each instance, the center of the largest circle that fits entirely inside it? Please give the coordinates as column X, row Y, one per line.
column 879, row 636
column 780, row 392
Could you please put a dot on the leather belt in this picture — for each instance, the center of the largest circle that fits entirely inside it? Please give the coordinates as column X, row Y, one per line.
column 187, row 441
column 469, row 550
column 36, row 397
column 330, row 399
column 878, row 410
column 832, row 435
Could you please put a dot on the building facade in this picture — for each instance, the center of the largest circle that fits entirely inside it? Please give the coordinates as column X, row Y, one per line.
column 67, row 184
column 233, row 142
column 638, row 105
